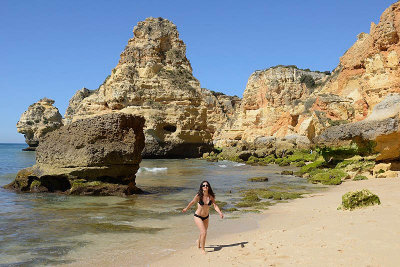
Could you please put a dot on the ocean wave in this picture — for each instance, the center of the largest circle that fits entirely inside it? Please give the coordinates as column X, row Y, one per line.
column 155, row 169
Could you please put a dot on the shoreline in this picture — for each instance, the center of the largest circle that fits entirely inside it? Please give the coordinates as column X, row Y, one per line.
column 310, row 231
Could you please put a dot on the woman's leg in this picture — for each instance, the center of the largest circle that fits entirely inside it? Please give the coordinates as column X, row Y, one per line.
column 205, row 222
column 203, row 232
column 198, row 241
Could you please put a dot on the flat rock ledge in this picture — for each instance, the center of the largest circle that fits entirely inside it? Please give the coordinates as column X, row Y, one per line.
column 95, row 156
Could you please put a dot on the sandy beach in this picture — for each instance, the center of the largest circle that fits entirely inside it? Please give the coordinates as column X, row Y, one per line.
column 311, row 232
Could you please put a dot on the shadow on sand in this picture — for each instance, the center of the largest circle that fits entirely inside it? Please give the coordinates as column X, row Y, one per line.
column 219, row 247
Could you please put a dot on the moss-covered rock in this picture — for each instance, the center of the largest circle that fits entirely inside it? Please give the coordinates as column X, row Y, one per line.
column 360, row 177
column 359, row 199
column 284, row 162
column 286, row 172
column 328, row 176
column 269, row 159
column 22, row 180
column 35, row 183
column 278, row 195
column 356, row 164
column 312, row 166
column 250, row 196
column 252, row 159
column 230, row 209
column 37, row 187
column 299, row 164
column 303, row 155
column 258, row 179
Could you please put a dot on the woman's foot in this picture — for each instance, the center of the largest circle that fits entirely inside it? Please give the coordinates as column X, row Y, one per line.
column 203, row 252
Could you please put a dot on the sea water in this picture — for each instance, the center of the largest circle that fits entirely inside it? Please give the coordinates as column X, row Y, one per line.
column 51, row 229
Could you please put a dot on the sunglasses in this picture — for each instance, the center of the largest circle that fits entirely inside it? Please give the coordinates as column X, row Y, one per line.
column 204, row 185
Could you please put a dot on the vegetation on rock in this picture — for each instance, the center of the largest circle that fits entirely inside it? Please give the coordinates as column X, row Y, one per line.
column 360, row 177
column 258, row 179
column 359, row 199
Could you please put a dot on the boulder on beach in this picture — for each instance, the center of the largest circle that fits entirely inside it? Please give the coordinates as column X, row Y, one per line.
column 94, row 156
column 359, row 199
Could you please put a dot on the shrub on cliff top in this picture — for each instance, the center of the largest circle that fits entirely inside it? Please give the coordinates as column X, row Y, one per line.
column 308, row 80
column 359, row 199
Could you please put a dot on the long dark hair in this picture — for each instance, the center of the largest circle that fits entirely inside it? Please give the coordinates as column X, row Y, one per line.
column 210, row 191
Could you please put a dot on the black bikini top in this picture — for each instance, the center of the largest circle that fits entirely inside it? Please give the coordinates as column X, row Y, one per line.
column 202, row 203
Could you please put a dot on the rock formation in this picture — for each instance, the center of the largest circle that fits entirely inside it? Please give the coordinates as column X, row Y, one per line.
column 154, row 79
column 292, row 106
column 283, row 107
column 40, row 118
column 276, row 103
column 93, row 156
column 382, row 127
column 370, row 69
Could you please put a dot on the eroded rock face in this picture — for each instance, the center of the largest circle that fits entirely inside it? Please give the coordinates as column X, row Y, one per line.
column 93, row 156
column 276, row 102
column 40, row 118
column 370, row 69
column 154, row 79
column 286, row 101
column 382, row 127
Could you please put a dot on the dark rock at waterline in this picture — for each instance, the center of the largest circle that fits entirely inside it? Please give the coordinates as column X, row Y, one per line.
column 29, row 148
column 286, row 172
column 94, row 156
column 156, row 149
column 258, row 179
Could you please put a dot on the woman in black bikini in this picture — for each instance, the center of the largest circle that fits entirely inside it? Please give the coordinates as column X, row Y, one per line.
column 204, row 198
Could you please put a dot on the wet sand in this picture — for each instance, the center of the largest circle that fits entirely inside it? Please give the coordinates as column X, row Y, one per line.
column 309, row 232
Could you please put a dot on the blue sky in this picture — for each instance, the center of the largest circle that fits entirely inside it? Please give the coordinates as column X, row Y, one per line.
column 53, row 48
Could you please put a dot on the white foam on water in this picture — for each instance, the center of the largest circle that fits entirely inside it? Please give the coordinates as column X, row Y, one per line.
column 155, row 169
column 239, row 164
column 222, row 166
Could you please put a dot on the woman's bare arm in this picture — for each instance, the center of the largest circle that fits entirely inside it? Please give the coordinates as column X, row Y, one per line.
column 195, row 199
column 217, row 209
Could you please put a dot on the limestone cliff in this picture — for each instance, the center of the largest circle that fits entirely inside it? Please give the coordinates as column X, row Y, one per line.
column 370, row 69
column 275, row 103
column 40, row 118
column 154, row 79
column 290, row 104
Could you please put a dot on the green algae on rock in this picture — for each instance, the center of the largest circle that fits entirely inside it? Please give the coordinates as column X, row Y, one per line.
column 259, row 198
column 360, row 177
column 258, row 179
column 328, row 176
column 359, row 199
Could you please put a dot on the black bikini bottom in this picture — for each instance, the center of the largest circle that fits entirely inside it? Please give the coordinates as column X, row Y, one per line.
column 201, row 217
